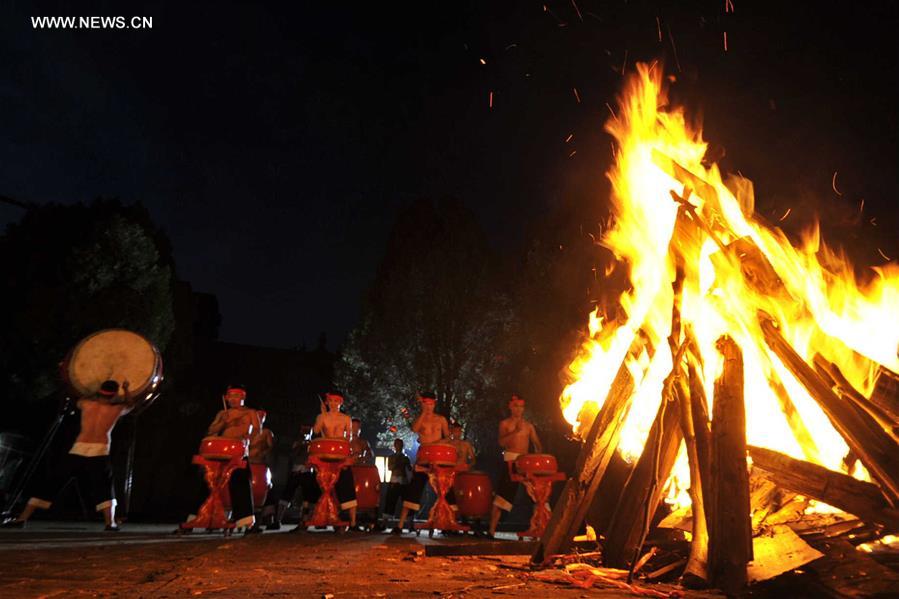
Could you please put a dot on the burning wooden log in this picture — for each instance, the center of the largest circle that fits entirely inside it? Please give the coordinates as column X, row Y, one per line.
column 832, row 374
column 886, row 391
column 599, row 516
column 867, row 439
column 643, row 491
column 597, row 450
column 862, row 499
column 730, row 529
column 765, row 498
column 696, row 571
column 699, row 413
column 755, row 267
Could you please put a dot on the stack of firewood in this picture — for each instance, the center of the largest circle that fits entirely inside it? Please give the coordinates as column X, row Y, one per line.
column 748, row 520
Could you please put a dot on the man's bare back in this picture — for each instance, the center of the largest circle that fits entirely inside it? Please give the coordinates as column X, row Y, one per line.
column 98, row 418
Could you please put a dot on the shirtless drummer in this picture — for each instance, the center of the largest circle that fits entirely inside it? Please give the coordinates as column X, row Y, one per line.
column 238, row 421
column 88, row 460
column 515, row 437
column 430, row 428
column 334, row 424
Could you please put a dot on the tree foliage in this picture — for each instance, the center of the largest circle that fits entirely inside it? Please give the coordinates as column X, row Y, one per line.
column 429, row 321
column 68, row 271
column 555, row 285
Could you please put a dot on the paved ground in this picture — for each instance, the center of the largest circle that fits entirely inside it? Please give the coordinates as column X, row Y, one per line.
column 79, row 560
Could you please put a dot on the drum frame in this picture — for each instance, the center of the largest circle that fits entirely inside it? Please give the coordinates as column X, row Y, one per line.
column 148, row 393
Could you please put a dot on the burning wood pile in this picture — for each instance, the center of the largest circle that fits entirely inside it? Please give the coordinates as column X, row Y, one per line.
column 750, row 384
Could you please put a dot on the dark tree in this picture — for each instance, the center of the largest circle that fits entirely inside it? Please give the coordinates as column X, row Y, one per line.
column 67, row 271
column 430, row 320
column 556, row 281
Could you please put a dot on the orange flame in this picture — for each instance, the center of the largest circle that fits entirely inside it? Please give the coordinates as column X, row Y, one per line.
column 817, row 300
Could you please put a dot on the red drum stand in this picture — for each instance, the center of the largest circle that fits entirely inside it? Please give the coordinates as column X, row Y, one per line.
column 212, row 513
column 442, row 516
column 326, row 508
column 538, row 472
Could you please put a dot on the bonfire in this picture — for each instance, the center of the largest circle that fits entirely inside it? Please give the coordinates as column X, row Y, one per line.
column 750, row 381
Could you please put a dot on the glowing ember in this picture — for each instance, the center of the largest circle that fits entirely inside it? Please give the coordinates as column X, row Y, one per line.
column 725, row 252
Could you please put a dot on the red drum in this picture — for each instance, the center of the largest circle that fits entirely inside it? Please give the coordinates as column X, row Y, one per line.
column 440, row 454
column 222, row 448
column 114, row 354
column 329, row 450
column 368, row 486
column 474, row 494
column 536, row 464
column 261, row 483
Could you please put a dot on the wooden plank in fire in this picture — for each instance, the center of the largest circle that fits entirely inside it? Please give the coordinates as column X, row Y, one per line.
column 777, row 551
column 643, row 491
column 886, row 391
column 860, row 498
column 867, row 439
column 730, row 529
column 596, row 452
column 677, row 172
column 833, row 375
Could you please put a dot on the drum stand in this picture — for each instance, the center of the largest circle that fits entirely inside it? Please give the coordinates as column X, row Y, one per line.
column 326, row 511
column 442, row 515
column 539, row 488
column 212, row 513
column 38, row 456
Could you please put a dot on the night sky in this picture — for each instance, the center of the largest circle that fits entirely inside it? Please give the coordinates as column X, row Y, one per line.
column 274, row 144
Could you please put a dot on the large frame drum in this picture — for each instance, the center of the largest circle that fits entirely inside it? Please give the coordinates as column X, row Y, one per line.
column 114, row 354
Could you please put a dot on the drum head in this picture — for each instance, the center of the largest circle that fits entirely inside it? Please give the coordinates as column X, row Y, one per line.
column 113, row 354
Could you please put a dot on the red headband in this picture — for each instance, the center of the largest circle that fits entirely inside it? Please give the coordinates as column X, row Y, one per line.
column 339, row 398
column 241, row 392
column 516, row 400
column 427, row 399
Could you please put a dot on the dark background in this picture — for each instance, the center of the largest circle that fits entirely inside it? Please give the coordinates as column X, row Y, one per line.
column 274, row 144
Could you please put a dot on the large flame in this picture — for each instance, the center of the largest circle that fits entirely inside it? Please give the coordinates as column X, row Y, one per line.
column 818, row 302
